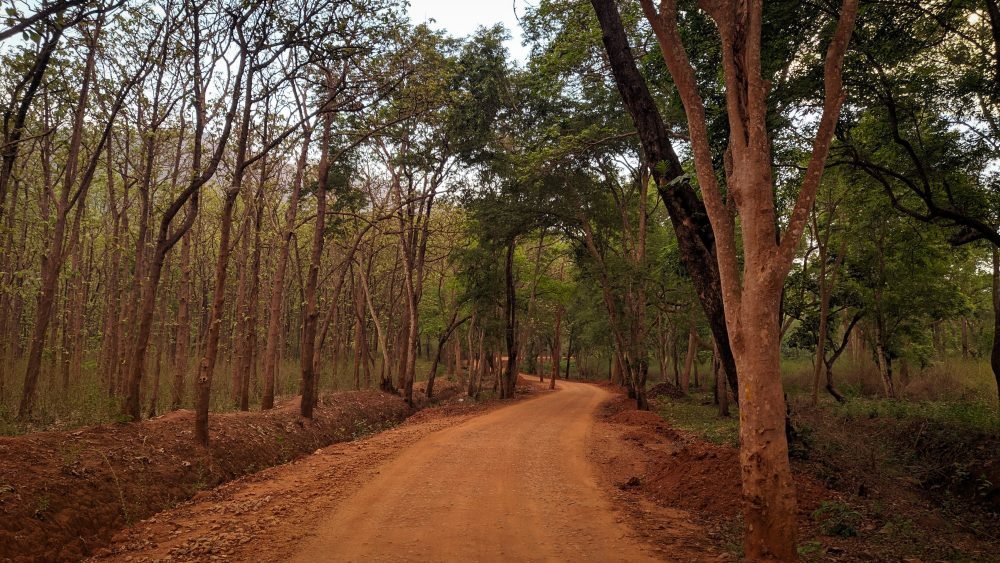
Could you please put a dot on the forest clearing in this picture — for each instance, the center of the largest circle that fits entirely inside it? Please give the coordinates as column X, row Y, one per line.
column 567, row 280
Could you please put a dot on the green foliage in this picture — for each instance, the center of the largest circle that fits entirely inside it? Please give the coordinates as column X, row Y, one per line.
column 982, row 417
column 837, row 519
column 697, row 414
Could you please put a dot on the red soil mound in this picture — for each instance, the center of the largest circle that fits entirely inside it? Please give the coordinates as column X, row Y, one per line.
column 63, row 494
column 690, row 474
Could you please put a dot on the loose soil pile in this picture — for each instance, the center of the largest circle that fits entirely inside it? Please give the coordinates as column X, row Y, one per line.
column 674, row 470
column 64, row 494
column 665, row 390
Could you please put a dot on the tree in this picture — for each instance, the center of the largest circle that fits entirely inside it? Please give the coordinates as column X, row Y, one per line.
column 750, row 300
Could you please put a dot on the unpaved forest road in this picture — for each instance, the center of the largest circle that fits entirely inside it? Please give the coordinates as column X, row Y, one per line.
column 513, row 484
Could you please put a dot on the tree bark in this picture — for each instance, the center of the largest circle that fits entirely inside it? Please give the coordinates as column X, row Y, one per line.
column 280, row 269
column 995, row 354
column 509, row 380
column 752, row 298
column 695, row 237
column 54, row 256
column 311, row 312
column 692, row 352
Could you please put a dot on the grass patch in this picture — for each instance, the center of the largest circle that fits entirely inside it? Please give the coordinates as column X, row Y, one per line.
column 697, row 414
column 969, row 416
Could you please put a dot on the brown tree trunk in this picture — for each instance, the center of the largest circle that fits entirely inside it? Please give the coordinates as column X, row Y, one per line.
column 52, row 259
column 452, row 325
column 509, row 380
column 240, row 310
column 556, row 347
column 995, row 354
column 569, row 351
column 249, row 366
column 206, row 366
column 278, row 282
column 182, row 337
column 692, row 352
column 311, row 313
column 752, row 298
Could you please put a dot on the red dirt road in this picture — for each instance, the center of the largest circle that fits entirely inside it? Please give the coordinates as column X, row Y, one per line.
column 518, row 482
column 514, row 484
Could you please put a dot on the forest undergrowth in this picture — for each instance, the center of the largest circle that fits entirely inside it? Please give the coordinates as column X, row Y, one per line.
column 915, row 478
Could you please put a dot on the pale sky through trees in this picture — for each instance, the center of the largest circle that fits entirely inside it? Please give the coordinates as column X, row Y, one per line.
column 462, row 17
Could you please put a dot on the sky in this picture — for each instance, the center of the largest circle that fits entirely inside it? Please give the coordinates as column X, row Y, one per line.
column 461, row 17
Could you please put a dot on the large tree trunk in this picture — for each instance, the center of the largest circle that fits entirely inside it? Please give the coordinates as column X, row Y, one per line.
column 768, row 488
column 751, row 291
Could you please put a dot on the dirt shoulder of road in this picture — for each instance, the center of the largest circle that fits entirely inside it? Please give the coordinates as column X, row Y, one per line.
column 680, row 490
column 283, row 503
column 63, row 495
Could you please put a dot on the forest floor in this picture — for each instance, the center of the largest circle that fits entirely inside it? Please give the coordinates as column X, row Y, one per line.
column 870, row 486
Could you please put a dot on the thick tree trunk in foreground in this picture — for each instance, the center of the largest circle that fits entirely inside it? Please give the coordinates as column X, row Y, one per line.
column 752, row 298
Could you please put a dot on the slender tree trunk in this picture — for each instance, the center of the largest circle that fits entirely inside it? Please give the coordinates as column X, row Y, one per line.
column 240, row 310
column 556, row 347
column 995, row 355
column 280, row 269
column 721, row 393
column 182, row 337
column 569, row 351
column 311, row 313
column 250, row 336
column 206, row 366
column 52, row 259
column 510, row 377
column 692, row 352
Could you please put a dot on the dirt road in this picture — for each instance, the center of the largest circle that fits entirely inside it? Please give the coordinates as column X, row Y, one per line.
column 514, row 484
column 511, row 484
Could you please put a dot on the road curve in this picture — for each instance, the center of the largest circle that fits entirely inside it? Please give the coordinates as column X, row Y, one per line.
column 511, row 485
